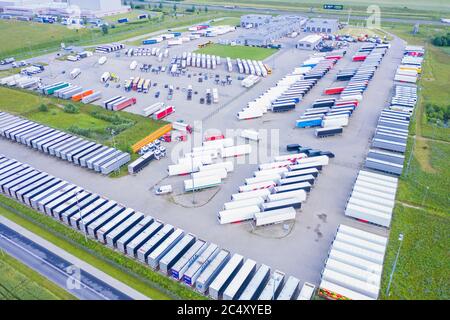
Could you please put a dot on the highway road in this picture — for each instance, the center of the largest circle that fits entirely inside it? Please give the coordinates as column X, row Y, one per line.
column 280, row 11
column 80, row 283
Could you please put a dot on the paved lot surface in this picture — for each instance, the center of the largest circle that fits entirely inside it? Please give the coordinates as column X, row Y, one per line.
column 302, row 249
column 77, row 277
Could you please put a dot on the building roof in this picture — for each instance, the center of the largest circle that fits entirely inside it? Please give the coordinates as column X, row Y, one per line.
column 320, row 20
column 312, row 38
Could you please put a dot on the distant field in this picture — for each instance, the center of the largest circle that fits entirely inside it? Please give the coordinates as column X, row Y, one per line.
column 19, row 282
column 232, row 21
column 27, row 39
column 234, row 52
column 20, row 37
column 437, row 5
column 358, row 31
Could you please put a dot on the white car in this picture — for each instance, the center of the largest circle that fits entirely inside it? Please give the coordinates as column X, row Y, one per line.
column 163, row 189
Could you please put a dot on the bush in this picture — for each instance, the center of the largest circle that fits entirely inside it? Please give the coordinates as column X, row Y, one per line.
column 43, row 108
column 70, row 108
column 81, row 131
column 442, row 40
column 437, row 113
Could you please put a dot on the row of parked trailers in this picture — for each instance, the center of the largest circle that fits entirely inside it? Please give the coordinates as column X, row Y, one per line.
column 107, row 48
column 288, row 91
column 118, row 103
column 65, row 146
column 330, row 114
column 390, row 139
column 354, row 265
column 206, row 61
column 174, row 252
column 275, row 191
column 372, row 199
column 65, row 90
column 253, row 67
column 21, row 81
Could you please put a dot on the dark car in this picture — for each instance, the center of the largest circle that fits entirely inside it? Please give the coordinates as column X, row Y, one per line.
column 327, row 153
column 293, row 147
column 157, row 94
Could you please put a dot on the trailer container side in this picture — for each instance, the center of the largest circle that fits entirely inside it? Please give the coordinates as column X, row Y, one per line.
column 187, row 259
column 351, row 283
column 133, row 248
column 238, row 214
column 273, row 286
column 225, row 276
column 307, row 291
column 111, row 225
column 171, row 256
column 290, row 289
column 198, row 265
column 235, row 288
column 333, row 291
column 123, row 241
column 154, row 258
column 250, row 194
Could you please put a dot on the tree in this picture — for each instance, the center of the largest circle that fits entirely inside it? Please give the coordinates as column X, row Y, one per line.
column 43, row 108
column 175, row 7
column 105, row 29
column 206, row 9
column 160, row 5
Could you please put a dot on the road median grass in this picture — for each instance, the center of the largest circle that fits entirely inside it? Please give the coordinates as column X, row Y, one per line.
column 134, row 274
column 19, row 282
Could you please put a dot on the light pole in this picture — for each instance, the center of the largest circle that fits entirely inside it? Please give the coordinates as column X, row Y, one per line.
column 79, row 213
column 400, row 238
column 425, row 196
column 192, row 178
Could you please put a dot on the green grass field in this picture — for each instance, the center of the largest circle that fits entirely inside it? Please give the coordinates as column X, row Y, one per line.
column 19, row 37
column 234, row 52
column 231, row 21
column 26, row 104
column 115, row 264
column 409, row 9
column 422, row 212
column 19, row 282
column 27, row 39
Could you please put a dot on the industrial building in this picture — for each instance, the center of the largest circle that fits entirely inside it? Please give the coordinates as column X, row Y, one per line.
column 322, row 25
column 309, row 42
column 87, row 8
column 277, row 28
column 255, row 20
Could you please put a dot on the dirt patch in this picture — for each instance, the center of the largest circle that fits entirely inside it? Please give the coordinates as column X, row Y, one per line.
column 422, row 153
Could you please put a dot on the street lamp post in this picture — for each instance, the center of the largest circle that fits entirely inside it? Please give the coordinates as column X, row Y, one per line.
column 81, row 216
column 192, row 178
column 400, row 238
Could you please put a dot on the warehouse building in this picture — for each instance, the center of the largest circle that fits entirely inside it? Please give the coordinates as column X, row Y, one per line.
column 277, row 28
column 322, row 25
column 309, row 42
column 87, row 8
column 255, row 20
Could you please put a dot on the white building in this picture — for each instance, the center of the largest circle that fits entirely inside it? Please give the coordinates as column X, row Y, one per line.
column 100, row 8
column 309, row 42
column 87, row 8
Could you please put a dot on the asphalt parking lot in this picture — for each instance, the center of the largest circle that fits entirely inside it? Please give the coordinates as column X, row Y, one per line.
column 299, row 251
